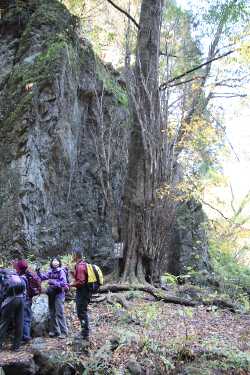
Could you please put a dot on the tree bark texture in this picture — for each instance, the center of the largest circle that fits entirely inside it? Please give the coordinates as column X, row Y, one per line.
column 146, row 150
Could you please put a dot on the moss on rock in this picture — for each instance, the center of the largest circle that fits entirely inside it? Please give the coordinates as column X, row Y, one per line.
column 111, row 85
column 49, row 48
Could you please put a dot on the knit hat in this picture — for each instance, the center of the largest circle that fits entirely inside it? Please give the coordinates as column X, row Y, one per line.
column 21, row 265
column 77, row 251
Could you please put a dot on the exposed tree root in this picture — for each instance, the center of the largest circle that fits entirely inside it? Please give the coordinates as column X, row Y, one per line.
column 114, row 298
column 220, row 303
column 111, row 299
column 159, row 294
column 97, row 298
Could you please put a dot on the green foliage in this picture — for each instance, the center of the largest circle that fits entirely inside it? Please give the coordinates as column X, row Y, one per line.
column 42, row 69
column 229, row 249
column 151, row 348
column 104, row 26
column 132, row 294
column 169, row 278
column 99, row 362
column 148, row 314
column 19, row 110
column 225, row 357
column 230, row 10
column 145, row 316
column 176, row 31
column 233, row 278
column 126, row 336
column 186, row 312
column 110, row 85
column 45, row 64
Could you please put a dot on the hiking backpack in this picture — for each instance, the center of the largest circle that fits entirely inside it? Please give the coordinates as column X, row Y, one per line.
column 33, row 284
column 10, row 284
column 66, row 270
column 95, row 277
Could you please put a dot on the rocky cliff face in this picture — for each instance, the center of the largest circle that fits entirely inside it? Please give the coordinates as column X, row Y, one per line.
column 63, row 118
column 190, row 240
column 63, row 144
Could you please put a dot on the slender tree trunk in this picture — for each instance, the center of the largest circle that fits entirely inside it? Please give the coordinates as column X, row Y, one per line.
column 145, row 150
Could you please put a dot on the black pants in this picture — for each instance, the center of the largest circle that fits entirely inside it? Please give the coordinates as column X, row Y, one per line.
column 83, row 296
column 12, row 312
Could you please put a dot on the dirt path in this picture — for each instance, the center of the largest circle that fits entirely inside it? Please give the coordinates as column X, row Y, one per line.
column 162, row 338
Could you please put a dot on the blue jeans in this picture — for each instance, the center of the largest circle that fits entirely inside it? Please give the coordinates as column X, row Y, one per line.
column 27, row 320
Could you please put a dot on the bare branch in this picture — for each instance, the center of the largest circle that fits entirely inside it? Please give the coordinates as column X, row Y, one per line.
column 175, row 102
column 233, row 198
column 164, row 85
column 168, row 54
column 232, row 82
column 228, row 140
column 124, row 12
column 187, row 81
column 215, row 209
column 227, row 95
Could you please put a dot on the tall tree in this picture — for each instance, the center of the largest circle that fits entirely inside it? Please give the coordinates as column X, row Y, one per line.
column 145, row 150
column 148, row 220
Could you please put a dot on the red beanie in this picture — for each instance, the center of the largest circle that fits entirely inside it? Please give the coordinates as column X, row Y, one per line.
column 21, row 265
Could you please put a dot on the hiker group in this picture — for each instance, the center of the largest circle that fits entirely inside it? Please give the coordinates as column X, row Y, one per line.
column 20, row 285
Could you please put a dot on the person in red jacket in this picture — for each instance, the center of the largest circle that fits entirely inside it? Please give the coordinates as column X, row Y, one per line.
column 83, row 293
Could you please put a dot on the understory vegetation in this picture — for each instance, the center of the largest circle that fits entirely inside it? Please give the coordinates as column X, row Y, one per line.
column 129, row 152
column 152, row 337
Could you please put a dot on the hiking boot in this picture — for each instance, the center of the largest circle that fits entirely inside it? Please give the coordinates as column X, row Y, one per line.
column 85, row 345
column 52, row 334
column 15, row 348
column 85, row 337
column 26, row 339
column 62, row 336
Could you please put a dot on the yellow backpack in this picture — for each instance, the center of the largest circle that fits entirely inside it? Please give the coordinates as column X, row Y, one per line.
column 95, row 277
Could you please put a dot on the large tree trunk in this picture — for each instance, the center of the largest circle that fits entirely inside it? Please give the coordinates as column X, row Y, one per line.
column 145, row 151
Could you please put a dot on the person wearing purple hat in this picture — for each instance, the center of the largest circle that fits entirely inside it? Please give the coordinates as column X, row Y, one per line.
column 58, row 285
column 33, row 288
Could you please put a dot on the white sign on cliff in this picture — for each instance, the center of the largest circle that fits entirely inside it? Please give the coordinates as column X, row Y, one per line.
column 118, row 249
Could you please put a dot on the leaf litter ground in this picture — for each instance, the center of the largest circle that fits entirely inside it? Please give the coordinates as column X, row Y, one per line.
column 162, row 338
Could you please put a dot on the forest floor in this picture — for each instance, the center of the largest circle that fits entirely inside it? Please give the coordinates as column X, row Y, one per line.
column 155, row 338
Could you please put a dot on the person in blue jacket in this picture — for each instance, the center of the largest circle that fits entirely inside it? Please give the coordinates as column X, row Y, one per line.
column 58, row 285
